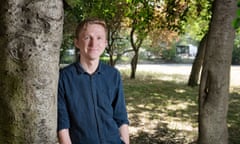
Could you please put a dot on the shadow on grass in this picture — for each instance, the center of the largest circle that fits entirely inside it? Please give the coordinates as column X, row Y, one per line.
column 234, row 117
column 165, row 112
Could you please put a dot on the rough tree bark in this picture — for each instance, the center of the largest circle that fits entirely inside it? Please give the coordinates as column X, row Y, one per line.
column 30, row 38
column 214, row 85
column 197, row 64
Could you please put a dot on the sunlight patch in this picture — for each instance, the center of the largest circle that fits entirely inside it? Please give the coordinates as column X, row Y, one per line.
column 182, row 105
column 180, row 126
column 180, row 90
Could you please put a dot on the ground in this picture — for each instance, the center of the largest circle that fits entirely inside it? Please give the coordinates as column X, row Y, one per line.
column 163, row 109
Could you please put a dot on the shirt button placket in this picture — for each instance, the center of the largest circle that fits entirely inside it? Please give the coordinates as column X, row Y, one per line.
column 94, row 98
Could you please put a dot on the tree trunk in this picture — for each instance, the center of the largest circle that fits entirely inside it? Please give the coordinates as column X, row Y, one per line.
column 30, row 38
column 197, row 64
column 214, row 85
column 135, row 47
column 111, row 60
column 134, row 62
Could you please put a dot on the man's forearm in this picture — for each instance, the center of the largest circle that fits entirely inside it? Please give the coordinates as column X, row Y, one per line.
column 124, row 133
column 63, row 137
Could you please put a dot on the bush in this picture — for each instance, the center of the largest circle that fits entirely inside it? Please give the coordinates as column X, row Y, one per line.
column 236, row 56
column 169, row 54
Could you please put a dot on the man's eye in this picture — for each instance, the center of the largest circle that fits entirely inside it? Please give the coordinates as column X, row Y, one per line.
column 86, row 38
column 99, row 38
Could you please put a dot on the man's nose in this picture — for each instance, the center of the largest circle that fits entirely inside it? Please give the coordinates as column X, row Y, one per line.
column 93, row 42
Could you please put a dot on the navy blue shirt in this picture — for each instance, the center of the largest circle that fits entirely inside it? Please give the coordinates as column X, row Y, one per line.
column 92, row 107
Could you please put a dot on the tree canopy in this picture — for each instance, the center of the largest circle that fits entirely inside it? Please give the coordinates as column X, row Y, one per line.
column 130, row 22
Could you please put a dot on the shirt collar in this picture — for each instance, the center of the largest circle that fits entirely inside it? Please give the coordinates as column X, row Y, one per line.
column 80, row 69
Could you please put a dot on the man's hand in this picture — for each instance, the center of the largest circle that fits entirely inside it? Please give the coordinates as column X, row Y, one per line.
column 124, row 133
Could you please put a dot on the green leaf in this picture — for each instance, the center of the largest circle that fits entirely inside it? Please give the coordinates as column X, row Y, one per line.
column 236, row 23
column 238, row 4
column 238, row 12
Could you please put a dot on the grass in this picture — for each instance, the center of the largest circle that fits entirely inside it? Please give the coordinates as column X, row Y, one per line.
column 163, row 109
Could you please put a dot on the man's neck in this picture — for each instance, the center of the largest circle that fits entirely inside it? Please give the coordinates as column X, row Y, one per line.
column 89, row 66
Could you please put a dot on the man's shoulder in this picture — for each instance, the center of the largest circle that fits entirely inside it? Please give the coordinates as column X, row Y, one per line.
column 68, row 68
column 108, row 68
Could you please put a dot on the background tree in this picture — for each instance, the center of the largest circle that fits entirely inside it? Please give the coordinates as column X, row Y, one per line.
column 114, row 13
column 30, row 38
column 147, row 16
column 214, row 85
column 197, row 24
column 197, row 63
column 141, row 13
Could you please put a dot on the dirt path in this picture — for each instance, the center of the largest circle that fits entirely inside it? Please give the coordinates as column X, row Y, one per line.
column 182, row 69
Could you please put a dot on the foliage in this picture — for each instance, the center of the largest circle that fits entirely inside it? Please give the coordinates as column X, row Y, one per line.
column 236, row 48
column 70, row 23
column 174, row 14
column 236, row 22
column 67, row 44
column 236, row 55
column 141, row 14
column 112, row 12
column 169, row 54
column 161, row 21
column 196, row 21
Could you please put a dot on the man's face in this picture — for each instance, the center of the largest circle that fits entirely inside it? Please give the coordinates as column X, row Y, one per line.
column 91, row 41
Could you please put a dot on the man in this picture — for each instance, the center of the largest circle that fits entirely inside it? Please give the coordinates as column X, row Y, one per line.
column 91, row 105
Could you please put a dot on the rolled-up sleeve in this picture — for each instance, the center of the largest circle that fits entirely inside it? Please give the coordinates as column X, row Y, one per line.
column 119, row 106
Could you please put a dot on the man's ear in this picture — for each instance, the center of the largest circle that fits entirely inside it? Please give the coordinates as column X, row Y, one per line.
column 76, row 43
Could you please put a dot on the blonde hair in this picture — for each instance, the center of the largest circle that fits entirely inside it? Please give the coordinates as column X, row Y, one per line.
column 83, row 24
